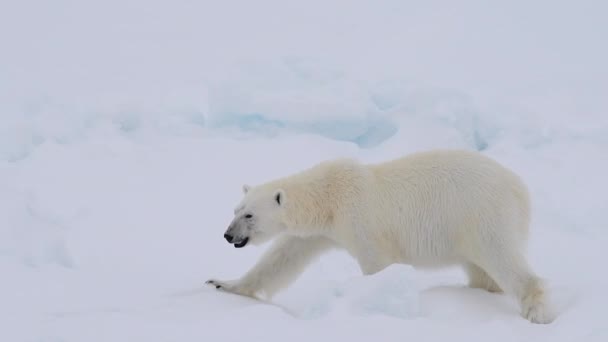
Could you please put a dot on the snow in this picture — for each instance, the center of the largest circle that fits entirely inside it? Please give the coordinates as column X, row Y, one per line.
column 391, row 293
column 128, row 127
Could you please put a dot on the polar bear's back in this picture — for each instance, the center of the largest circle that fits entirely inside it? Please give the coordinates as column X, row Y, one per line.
column 450, row 198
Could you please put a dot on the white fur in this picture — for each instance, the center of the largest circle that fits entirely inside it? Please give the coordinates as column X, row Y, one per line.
column 429, row 209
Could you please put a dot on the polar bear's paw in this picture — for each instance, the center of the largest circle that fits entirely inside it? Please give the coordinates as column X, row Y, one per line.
column 535, row 307
column 221, row 285
column 231, row 286
column 538, row 313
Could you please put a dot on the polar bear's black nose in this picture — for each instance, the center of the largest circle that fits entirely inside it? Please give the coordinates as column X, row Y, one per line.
column 228, row 238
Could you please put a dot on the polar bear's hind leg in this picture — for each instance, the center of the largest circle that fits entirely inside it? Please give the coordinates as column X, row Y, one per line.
column 512, row 274
column 479, row 279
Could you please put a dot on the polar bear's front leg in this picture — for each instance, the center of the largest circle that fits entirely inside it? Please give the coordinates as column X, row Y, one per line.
column 278, row 268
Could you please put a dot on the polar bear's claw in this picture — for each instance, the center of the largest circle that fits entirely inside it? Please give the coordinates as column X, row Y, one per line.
column 217, row 284
column 231, row 286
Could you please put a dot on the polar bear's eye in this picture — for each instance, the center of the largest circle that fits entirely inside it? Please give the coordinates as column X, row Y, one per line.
column 248, row 216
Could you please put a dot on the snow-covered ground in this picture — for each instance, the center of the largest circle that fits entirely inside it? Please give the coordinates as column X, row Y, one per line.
column 128, row 127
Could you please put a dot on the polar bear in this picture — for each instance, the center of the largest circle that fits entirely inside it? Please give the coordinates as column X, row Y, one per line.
column 428, row 209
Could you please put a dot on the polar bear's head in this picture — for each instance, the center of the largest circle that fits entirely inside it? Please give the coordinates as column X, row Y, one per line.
column 258, row 218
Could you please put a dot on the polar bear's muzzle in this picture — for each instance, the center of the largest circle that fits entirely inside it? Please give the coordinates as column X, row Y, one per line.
column 236, row 236
column 238, row 242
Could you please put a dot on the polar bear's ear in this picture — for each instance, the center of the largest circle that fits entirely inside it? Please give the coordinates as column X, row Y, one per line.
column 246, row 188
column 279, row 197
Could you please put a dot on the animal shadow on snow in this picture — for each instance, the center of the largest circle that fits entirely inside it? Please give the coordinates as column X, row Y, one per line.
column 463, row 302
